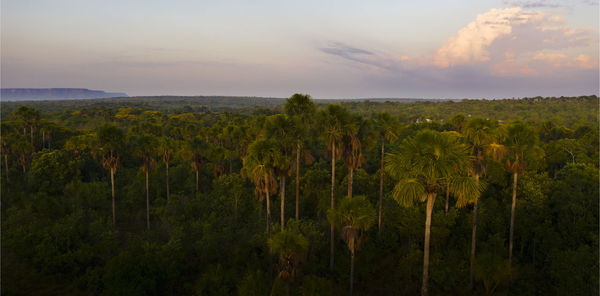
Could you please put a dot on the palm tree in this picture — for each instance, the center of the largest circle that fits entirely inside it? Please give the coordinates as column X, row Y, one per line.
column 196, row 151
column 332, row 121
column 259, row 166
column 280, row 128
column 350, row 148
column 423, row 166
column 145, row 147
column 388, row 128
column 522, row 144
column 110, row 144
column 480, row 136
column 354, row 217
column 300, row 109
column 290, row 246
column 166, row 146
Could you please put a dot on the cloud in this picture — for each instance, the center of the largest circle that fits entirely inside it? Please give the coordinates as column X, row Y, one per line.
column 471, row 42
column 363, row 56
column 519, row 32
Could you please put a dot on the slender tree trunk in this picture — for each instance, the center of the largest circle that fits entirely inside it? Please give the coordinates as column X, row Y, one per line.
column 512, row 219
column 351, row 272
column 380, row 188
column 6, row 168
column 287, row 289
column 298, row 182
column 350, row 180
column 197, row 181
column 332, row 231
column 230, row 163
column 430, row 202
column 235, row 207
column 269, row 225
column 282, row 195
column 31, row 132
column 147, row 203
column 473, row 239
column 43, row 138
column 447, row 198
column 167, row 177
column 112, row 188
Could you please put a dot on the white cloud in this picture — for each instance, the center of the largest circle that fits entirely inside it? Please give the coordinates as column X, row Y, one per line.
column 522, row 33
column 471, row 42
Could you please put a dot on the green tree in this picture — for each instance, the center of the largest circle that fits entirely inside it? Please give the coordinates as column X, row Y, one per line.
column 280, row 128
column 423, row 166
column 145, row 147
column 331, row 121
column 166, row 147
column 290, row 246
column 354, row 217
column 110, row 145
column 481, row 138
column 300, row 109
column 29, row 118
column 522, row 145
column 388, row 128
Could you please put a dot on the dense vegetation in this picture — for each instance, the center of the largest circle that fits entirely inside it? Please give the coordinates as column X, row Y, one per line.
column 297, row 198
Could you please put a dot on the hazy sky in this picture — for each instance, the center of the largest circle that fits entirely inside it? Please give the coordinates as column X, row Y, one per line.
column 329, row 49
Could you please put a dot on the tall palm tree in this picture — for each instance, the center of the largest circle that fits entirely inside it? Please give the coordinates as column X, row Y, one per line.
column 290, row 246
column 166, row 147
column 300, row 109
column 354, row 217
column 522, row 144
column 423, row 166
column 388, row 128
column 280, row 128
column 110, row 143
column 145, row 147
column 481, row 138
column 331, row 121
column 351, row 148
column 259, row 166
column 196, row 152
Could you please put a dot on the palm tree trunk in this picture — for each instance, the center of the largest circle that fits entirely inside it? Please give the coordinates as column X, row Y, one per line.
column 112, row 187
column 430, row 202
column 269, row 225
column 447, row 198
column 31, row 132
column 196, row 181
column 350, row 180
column 6, row 168
column 298, row 182
column 331, row 237
column 512, row 218
column 473, row 239
column 282, row 195
column 380, row 188
column 147, row 203
column 351, row 272
column 167, row 176
column 268, row 206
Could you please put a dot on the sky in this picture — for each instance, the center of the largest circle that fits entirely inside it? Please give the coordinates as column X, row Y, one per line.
column 328, row 49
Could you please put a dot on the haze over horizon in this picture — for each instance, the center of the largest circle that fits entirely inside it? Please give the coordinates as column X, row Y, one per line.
column 338, row 49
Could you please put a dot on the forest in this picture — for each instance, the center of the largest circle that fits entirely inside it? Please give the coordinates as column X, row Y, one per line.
column 300, row 197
